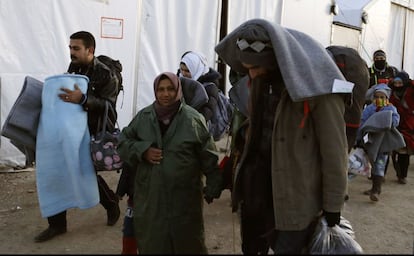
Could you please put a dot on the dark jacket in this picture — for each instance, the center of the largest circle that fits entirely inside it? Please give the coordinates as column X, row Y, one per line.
column 211, row 84
column 194, row 93
column 168, row 202
column 103, row 85
column 384, row 77
column 403, row 100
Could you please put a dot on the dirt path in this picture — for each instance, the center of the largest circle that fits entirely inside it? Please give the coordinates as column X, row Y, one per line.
column 385, row 227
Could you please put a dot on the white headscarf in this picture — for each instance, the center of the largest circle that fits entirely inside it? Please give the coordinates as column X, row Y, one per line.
column 196, row 64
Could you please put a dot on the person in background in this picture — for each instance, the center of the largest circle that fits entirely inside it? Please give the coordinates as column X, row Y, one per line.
column 102, row 86
column 402, row 97
column 293, row 167
column 380, row 103
column 194, row 65
column 169, row 147
column 355, row 70
column 380, row 71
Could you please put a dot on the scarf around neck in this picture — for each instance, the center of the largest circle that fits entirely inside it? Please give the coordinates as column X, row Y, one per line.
column 165, row 114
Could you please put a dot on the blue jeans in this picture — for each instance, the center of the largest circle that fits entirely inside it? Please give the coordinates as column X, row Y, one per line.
column 380, row 164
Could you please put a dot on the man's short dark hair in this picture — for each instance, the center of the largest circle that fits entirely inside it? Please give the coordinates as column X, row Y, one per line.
column 86, row 37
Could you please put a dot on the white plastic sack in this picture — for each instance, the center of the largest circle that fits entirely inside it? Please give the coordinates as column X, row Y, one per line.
column 358, row 162
column 339, row 239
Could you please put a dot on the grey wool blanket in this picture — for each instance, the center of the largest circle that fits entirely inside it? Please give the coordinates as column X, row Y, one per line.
column 382, row 136
column 306, row 67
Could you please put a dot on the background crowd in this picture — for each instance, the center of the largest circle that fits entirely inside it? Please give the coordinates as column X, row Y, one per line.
column 287, row 162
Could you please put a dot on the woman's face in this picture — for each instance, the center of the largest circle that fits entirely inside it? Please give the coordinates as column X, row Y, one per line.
column 166, row 93
column 184, row 70
column 398, row 83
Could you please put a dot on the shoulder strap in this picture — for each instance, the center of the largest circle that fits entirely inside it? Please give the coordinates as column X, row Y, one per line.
column 105, row 118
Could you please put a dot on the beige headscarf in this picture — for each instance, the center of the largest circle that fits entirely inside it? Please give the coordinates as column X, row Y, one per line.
column 166, row 113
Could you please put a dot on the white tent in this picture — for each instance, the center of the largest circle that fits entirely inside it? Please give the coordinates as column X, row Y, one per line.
column 35, row 38
column 369, row 25
column 147, row 36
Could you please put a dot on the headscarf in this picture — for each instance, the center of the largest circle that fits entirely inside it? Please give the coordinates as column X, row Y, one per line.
column 196, row 64
column 405, row 79
column 166, row 113
column 386, row 91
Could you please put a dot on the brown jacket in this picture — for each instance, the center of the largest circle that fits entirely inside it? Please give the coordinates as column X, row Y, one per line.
column 309, row 163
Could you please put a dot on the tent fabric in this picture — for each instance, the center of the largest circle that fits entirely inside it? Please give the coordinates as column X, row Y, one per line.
column 149, row 37
column 65, row 176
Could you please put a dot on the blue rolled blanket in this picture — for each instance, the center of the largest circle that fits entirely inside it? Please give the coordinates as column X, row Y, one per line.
column 65, row 175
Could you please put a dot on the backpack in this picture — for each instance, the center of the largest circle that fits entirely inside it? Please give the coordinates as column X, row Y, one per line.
column 116, row 67
column 220, row 123
column 355, row 70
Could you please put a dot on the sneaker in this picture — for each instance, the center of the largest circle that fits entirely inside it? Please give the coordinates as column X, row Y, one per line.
column 113, row 214
column 49, row 233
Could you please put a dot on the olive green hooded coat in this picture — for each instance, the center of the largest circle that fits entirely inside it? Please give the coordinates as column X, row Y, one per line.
column 168, row 198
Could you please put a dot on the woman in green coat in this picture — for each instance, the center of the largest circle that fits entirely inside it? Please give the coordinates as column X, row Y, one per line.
column 170, row 148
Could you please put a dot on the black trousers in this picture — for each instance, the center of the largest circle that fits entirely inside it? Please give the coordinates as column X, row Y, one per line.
column 107, row 198
column 257, row 231
column 401, row 163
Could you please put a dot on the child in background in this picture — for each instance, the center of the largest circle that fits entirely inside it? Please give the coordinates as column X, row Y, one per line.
column 380, row 102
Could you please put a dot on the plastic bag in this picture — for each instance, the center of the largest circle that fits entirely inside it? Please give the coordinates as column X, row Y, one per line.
column 339, row 239
column 358, row 162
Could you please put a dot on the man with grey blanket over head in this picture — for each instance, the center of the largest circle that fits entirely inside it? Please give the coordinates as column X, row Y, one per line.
column 293, row 168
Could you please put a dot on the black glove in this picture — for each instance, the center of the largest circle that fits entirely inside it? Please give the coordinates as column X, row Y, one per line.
column 209, row 195
column 332, row 218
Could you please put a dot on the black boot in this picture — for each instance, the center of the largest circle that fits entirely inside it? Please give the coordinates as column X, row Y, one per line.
column 109, row 201
column 403, row 163
column 376, row 187
column 57, row 226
